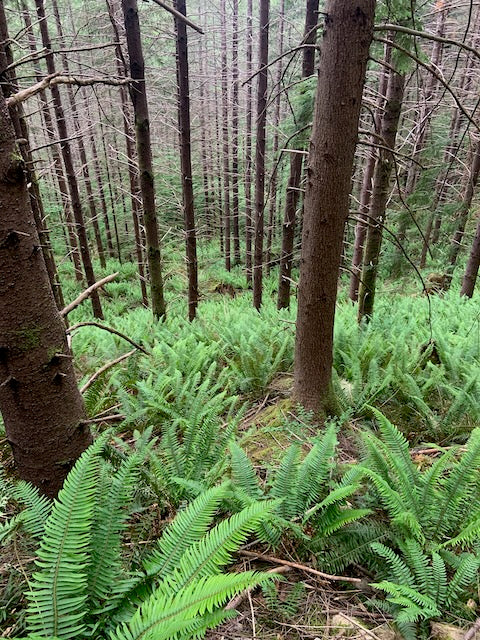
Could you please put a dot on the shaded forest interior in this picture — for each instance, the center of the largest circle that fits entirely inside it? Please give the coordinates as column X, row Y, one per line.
column 239, row 322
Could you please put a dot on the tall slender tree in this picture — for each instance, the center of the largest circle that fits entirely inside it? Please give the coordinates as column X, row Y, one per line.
column 345, row 49
column 260, row 152
column 138, row 93
column 186, row 159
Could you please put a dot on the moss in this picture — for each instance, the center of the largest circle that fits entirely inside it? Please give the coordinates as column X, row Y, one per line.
column 29, row 337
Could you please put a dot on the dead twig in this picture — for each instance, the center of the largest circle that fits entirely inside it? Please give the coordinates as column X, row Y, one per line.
column 83, row 296
column 110, row 330
column 301, row 567
column 105, row 367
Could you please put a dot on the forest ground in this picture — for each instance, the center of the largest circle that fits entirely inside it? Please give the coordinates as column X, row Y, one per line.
column 417, row 362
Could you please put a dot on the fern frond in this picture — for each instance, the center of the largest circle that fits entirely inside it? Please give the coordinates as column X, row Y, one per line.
column 37, row 508
column 243, row 473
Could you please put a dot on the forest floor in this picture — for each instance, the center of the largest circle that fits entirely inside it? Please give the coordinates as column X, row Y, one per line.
column 418, row 362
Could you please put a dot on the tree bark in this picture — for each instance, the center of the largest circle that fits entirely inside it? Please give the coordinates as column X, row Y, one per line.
column 138, row 94
column 226, row 156
column 346, row 42
column 260, row 153
column 471, row 271
column 186, row 159
column 381, row 190
column 462, row 216
column 366, row 192
column 296, row 161
column 68, row 162
column 39, row 399
column 248, row 149
column 235, row 106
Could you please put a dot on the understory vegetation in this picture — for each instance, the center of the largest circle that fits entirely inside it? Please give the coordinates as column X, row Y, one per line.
column 208, row 464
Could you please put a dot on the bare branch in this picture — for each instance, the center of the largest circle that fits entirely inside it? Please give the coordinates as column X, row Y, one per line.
column 110, row 330
column 177, row 15
column 105, row 367
column 56, row 78
column 83, row 296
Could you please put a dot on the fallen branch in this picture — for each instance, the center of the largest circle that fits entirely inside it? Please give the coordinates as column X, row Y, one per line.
column 105, row 367
column 233, row 604
column 115, row 417
column 56, row 78
column 301, row 567
column 471, row 633
column 110, row 330
column 83, row 296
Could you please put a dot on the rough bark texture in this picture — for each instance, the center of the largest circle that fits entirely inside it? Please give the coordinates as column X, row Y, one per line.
column 68, row 162
column 186, row 160
column 260, row 153
column 381, row 190
column 138, row 94
column 293, row 189
column 39, row 399
column 346, row 43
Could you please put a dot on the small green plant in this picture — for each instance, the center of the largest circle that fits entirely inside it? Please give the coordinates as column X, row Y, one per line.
column 82, row 586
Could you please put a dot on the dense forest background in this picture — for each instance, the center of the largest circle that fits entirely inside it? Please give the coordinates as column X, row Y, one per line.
column 239, row 329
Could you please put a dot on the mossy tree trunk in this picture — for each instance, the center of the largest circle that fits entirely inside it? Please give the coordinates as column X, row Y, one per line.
column 346, row 42
column 40, row 403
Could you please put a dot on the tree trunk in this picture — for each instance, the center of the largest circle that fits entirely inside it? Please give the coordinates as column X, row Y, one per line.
column 366, row 192
column 248, row 149
column 272, row 208
column 226, row 158
column 39, row 399
column 381, row 190
column 138, row 94
column 236, row 227
column 186, row 159
column 68, row 162
column 130, row 148
column 462, row 216
column 260, row 153
column 346, row 42
column 293, row 189
column 471, row 271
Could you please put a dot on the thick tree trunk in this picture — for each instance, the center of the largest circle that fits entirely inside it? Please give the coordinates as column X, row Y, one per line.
column 8, row 84
column 39, row 399
column 248, row 149
column 346, row 42
column 260, row 153
column 293, row 189
column 186, row 160
column 138, row 94
column 68, row 162
column 381, row 190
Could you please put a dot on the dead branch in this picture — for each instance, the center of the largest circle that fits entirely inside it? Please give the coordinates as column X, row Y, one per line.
column 115, row 417
column 83, row 296
column 178, row 15
column 471, row 633
column 106, row 366
column 43, row 53
column 427, row 36
column 56, row 78
column 301, row 567
column 233, row 604
column 110, row 330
